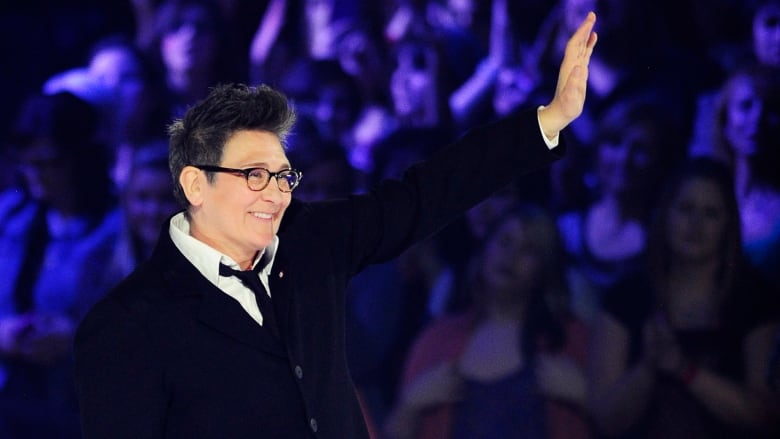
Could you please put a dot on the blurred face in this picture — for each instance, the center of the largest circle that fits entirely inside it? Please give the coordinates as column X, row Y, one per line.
column 148, row 201
column 229, row 216
column 697, row 220
column 357, row 53
column 413, row 84
column 46, row 171
column 626, row 161
column 190, row 43
column 766, row 35
column 511, row 264
column 743, row 117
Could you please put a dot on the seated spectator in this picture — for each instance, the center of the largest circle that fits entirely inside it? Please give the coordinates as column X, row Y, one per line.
column 760, row 48
column 746, row 128
column 606, row 239
column 510, row 366
column 682, row 350
column 49, row 230
column 146, row 201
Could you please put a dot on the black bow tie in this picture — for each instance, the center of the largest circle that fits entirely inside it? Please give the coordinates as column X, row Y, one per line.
column 251, row 280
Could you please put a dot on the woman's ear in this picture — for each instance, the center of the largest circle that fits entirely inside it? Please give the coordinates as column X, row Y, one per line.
column 192, row 180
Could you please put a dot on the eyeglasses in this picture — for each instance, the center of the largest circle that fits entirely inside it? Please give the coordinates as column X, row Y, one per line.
column 257, row 178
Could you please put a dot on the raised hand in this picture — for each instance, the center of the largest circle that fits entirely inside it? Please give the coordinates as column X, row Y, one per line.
column 569, row 99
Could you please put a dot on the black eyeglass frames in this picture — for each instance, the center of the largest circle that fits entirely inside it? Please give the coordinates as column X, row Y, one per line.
column 257, row 178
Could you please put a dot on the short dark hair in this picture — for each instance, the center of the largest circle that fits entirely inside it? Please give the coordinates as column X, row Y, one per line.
column 199, row 136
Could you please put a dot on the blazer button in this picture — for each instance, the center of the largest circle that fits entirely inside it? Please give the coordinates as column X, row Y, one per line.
column 299, row 372
column 313, row 424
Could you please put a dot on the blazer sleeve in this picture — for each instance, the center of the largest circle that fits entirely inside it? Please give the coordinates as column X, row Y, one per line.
column 399, row 213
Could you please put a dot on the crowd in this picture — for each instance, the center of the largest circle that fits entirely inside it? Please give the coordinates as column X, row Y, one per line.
column 630, row 290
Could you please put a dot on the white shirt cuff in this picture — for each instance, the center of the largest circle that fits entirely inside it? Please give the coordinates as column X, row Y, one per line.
column 551, row 143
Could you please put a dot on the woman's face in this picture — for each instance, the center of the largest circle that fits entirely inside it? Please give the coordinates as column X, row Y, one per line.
column 413, row 84
column 46, row 171
column 743, row 117
column 625, row 162
column 766, row 35
column 148, row 201
column 511, row 263
column 697, row 220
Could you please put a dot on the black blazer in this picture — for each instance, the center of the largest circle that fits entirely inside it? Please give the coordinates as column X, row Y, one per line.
column 168, row 355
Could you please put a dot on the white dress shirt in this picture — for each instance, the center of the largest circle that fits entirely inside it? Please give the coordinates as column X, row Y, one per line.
column 207, row 259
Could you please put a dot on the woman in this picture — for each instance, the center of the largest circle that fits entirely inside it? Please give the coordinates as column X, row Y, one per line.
column 50, row 228
column 509, row 366
column 747, row 126
column 683, row 349
column 606, row 238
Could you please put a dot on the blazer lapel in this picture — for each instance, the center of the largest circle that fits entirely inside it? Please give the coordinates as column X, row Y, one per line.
column 216, row 310
column 224, row 314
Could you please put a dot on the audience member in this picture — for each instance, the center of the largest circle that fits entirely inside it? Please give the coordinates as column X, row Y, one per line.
column 390, row 302
column 760, row 47
column 146, row 201
column 505, row 78
column 765, row 27
column 682, row 350
column 747, row 124
column 195, row 48
column 294, row 30
column 511, row 365
column 606, row 240
column 127, row 89
column 49, row 230
column 420, row 82
column 136, row 97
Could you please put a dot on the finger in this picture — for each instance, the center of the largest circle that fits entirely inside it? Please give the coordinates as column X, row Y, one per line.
column 581, row 43
column 579, row 48
column 583, row 34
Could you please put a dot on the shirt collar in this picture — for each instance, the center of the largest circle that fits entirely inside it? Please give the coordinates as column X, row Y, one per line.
column 207, row 259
